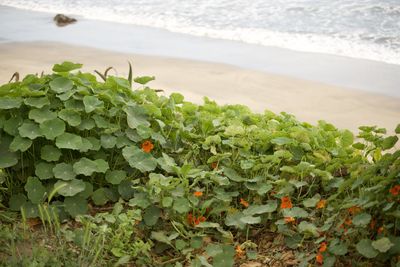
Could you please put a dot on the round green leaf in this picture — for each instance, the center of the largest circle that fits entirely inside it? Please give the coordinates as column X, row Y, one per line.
column 7, row 158
column 389, row 142
column 44, row 170
column 383, row 244
column 311, row 202
column 397, row 130
column 135, row 116
column 71, row 116
column 95, row 143
column 66, row 66
column 167, row 202
column 21, row 144
column 138, row 159
column 69, row 141
column 86, row 145
column 151, row 215
column 30, row 210
column 64, row 171
column 76, row 205
column 145, row 79
column 108, row 141
column 74, row 104
column 295, row 212
column 233, row 175
column 125, row 189
column 87, row 167
column 52, row 128
column 42, row 115
column 30, row 130
column 347, row 138
column 61, row 85
column 234, row 219
column 181, row 205
column 50, row 153
column 115, row 177
column 91, row 103
column 10, row 102
column 141, row 200
column 71, row 188
column 87, row 192
column 37, row 102
column 67, row 95
column 12, row 124
column 361, row 219
column 261, row 209
column 87, row 124
column 308, row 228
column 365, row 248
column 35, row 190
column 102, row 165
column 99, row 197
column 101, row 122
column 17, row 201
column 338, row 248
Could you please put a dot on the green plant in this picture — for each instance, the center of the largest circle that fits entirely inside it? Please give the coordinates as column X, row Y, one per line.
column 189, row 177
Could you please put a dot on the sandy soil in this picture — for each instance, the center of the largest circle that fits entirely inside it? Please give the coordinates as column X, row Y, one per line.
column 308, row 101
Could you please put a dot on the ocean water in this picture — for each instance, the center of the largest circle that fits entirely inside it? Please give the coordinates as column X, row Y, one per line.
column 368, row 29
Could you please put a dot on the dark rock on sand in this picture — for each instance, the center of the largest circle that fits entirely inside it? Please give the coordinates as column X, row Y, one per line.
column 62, row 20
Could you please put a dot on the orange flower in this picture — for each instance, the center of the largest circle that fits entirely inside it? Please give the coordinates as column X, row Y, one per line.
column 354, row 210
column 286, row 203
column 395, row 190
column 198, row 194
column 244, row 203
column 348, row 221
column 372, row 224
column 289, row 219
column 239, row 251
column 319, row 258
column 322, row 247
column 321, row 204
column 380, row 230
column 190, row 218
column 147, row 146
column 214, row 165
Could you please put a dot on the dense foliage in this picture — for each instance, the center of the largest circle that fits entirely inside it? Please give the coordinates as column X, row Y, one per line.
column 200, row 181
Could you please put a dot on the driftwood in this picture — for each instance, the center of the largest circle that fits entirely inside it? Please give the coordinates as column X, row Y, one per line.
column 62, row 20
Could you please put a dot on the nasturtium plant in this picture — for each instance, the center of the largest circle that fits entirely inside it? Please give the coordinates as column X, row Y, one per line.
column 52, row 128
column 50, row 153
column 64, row 171
column 186, row 172
column 35, row 189
column 41, row 115
column 44, row 170
column 70, row 188
column 30, row 130
column 69, row 141
column 20, row 144
column 115, row 177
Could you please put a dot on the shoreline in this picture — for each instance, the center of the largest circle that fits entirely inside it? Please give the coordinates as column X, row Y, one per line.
column 226, row 84
column 357, row 74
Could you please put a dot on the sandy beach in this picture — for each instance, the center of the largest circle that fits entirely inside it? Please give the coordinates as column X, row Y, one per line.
column 308, row 101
